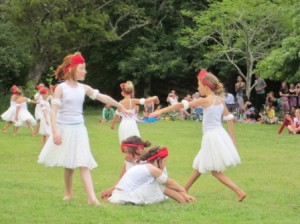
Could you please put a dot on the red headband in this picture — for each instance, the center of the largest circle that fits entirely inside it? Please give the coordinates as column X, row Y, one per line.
column 43, row 91
column 131, row 145
column 162, row 153
column 201, row 75
column 122, row 85
column 14, row 89
column 75, row 60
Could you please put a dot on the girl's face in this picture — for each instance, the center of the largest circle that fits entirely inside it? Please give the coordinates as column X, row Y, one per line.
column 80, row 72
column 129, row 156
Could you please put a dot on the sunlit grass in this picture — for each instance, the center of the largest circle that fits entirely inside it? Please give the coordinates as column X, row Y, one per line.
column 269, row 173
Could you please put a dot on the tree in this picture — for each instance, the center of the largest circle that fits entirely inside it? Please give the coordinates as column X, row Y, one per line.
column 153, row 52
column 237, row 32
column 14, row 55
column 53, row 29
column 283, row 63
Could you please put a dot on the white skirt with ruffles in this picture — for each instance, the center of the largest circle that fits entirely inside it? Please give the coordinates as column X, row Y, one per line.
column 217, row 152
column 74, row 151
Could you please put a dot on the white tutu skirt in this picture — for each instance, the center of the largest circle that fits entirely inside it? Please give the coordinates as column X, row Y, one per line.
column 38, row 113
column 9, row 114
column 44, row 128
column 127, row 128
column 146, row 194
column 25, row 116
column 74, row 151
column 217, row 152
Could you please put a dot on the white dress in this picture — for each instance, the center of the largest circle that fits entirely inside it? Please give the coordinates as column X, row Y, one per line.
column 45, row 129
column 75, row 149
column 138, row 186
column 128, row 125
column 38, row 114
column 24, row 116
column 217, row 149
column 10, row 113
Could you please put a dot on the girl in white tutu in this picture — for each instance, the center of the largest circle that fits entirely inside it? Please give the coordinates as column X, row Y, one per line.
column 68, row 145
column 38, row 110
column 10, row 113
column 23, row 117
column 45, row 125
column 128, row 126
column 146, row 183
column 133, row 147
column 218, row 149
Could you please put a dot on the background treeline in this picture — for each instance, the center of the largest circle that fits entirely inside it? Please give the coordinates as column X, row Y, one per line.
column 158, row 44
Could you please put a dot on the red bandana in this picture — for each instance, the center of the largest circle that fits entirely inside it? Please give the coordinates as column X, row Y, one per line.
column 130, row 145
column 75, row 60
column 43, row 91
column 201, row 75
column 162, row 153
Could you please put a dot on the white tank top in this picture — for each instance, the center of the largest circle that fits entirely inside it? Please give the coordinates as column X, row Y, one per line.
column 135, row 177
column 72, row 101
column 212, row 116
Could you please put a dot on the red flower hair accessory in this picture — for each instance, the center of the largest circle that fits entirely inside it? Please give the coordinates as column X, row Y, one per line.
column 130, row 145
column 43, row 91
column 162, row 153
column 201, row 75
column 122, row 85
column 75, row 60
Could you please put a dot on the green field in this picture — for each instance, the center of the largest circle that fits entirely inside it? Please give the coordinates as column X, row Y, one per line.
column 269, row 174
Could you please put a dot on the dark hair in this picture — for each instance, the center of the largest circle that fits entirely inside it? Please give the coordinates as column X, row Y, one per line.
column 137, row 141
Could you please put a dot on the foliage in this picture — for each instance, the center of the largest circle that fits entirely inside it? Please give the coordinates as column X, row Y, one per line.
column 283, row 63
column 14, row 56
column 240, row 33
column 52, row 29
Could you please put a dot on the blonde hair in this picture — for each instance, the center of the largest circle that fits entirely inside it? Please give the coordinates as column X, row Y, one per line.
column 60, row 71
column 129, row 87
column 218, row 88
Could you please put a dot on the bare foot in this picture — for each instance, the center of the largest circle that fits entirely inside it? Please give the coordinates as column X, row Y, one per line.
column 67, row 197
column 94, row 202
column 241, row 197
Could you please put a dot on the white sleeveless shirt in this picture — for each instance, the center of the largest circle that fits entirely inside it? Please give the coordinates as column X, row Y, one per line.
column 72, row 101
column 212, row 116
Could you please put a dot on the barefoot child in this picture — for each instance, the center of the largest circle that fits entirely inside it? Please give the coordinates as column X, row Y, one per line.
column 68, row 145
column 218, row 149
column 146, row 183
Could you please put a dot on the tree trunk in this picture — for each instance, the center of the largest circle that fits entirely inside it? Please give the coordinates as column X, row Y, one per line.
column 35, row 74
column 147, row 88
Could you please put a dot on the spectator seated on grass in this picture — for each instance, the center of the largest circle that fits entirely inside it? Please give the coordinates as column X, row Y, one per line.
column 269, row 116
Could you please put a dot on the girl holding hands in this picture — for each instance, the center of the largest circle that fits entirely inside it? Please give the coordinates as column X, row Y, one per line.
column 128, row 126
column 68, row 145
column 218, row 149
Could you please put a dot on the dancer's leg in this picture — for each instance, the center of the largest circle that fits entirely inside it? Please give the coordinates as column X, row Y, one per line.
column 68, row 184
column 194, row 176
column 229, row 183
column 88, row 183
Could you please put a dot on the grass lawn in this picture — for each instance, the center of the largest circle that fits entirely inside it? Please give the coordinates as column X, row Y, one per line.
column 269, row 174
